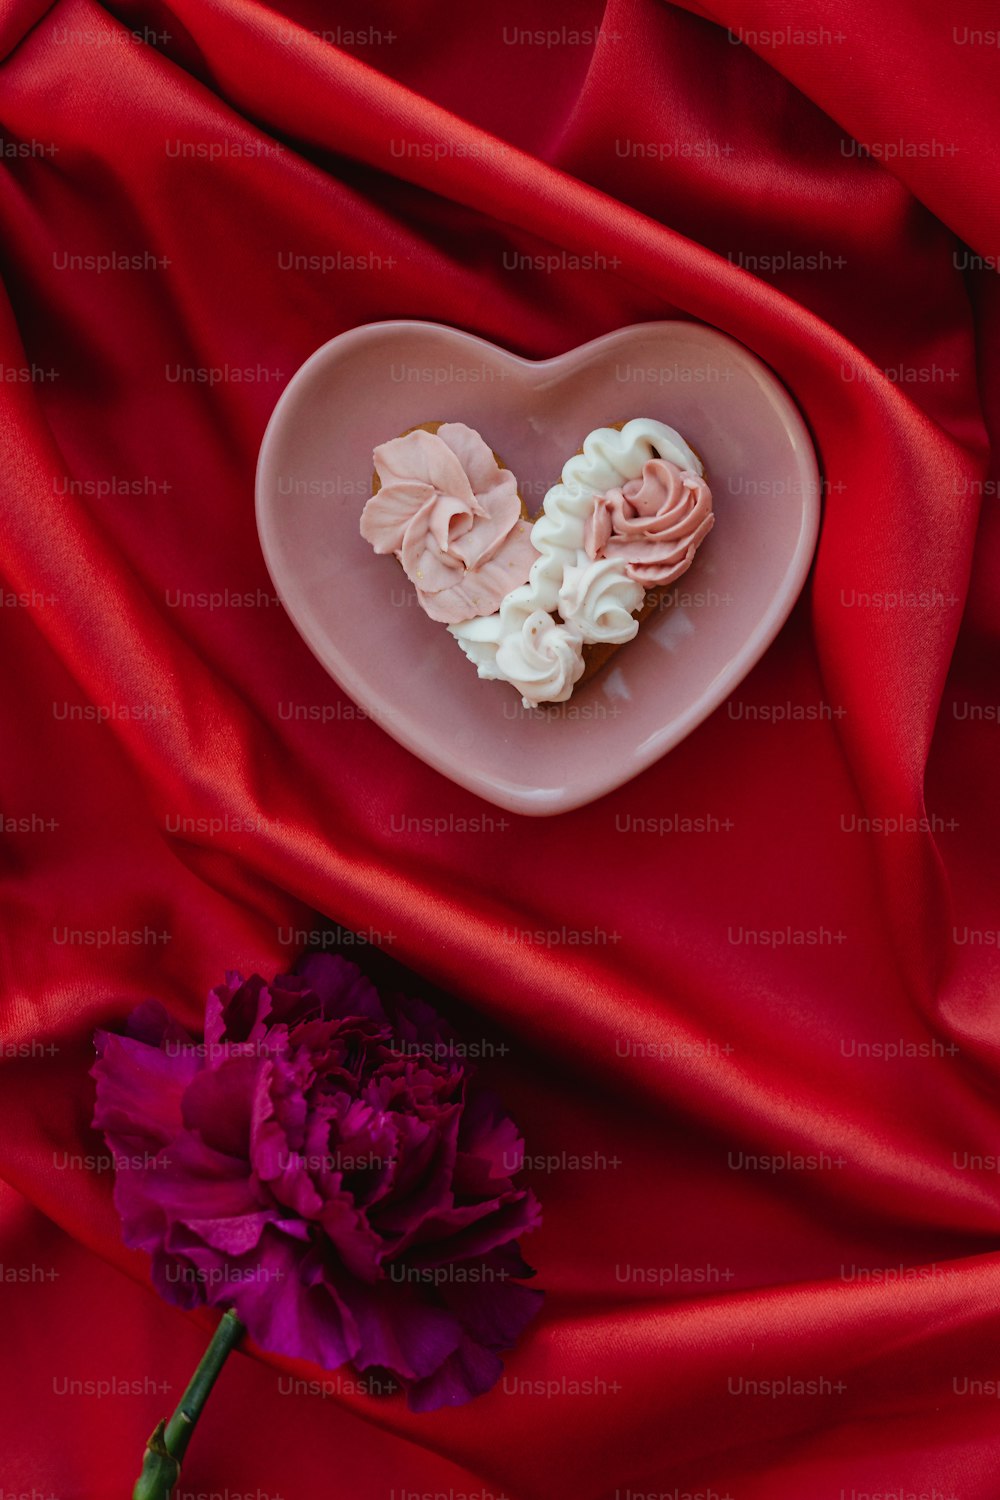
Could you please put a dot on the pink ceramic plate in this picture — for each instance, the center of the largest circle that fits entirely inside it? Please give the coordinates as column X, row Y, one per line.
column 358, row 612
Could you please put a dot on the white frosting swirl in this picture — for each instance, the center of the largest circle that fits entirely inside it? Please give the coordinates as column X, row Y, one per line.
column 596, row 594
column 543, row 660
column 479, row 640
column 599, row 600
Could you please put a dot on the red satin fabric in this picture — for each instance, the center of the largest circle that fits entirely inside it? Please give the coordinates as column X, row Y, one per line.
column 678, row 1268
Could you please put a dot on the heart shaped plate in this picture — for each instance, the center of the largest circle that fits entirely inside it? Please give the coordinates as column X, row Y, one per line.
column 359, row 614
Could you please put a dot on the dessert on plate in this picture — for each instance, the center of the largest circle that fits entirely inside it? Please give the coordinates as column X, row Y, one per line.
column 540, row 603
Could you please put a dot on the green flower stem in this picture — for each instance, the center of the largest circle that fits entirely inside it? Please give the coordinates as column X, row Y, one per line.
column 166, row 1448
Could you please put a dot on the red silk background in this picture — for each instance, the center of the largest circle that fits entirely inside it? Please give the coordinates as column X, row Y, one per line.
column 773, row 1040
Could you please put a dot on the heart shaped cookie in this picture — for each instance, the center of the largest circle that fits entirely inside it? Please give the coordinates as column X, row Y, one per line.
column 541, row 606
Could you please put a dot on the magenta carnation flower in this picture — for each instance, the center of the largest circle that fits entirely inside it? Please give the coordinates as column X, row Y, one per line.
column 325, row 1164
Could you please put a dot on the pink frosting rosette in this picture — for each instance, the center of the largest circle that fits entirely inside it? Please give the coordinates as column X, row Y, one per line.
column 453, row 518
column 652, row 524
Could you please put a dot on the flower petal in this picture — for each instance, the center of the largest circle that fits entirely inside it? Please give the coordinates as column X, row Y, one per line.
column 494, row 1308
column 398, row 1330
column 468, row 1230
column 139, row 1092
column 470, row 1371
column 289, row 1312
column 219, row 1104
column 342, row 988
